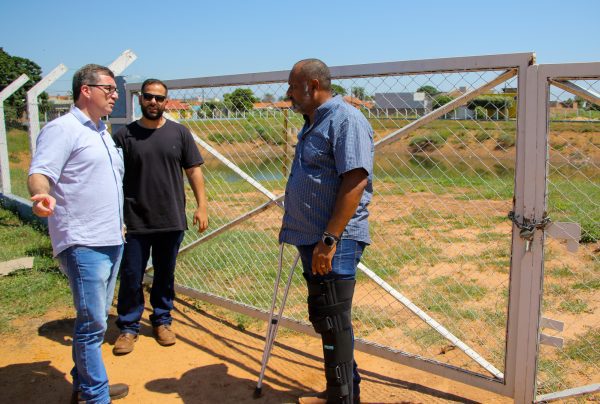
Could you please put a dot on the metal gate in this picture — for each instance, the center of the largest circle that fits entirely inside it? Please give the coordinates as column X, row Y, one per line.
column 437, row 284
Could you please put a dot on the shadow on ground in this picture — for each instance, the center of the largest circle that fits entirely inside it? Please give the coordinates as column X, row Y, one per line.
column 16, row 383
column 212, row 384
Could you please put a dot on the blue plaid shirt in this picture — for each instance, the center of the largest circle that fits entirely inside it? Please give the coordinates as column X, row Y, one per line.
column 340, row 140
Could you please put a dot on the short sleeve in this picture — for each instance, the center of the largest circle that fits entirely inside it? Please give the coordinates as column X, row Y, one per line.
column 53, row 148
column 353, row 145
column 191, row 154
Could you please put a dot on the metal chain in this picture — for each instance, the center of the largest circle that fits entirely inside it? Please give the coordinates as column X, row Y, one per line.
column 527, row 229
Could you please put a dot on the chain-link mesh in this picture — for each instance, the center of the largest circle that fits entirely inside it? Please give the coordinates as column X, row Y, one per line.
column 572, row 280
column 438, row 216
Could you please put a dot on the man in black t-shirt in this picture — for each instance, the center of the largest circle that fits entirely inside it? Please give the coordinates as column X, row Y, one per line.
column 156, row 151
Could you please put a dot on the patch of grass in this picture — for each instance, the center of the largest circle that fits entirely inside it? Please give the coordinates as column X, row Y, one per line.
column 575, row 306
column 556, row 290
column 425, row 337
column 482, row 136
column 592, row 284
column 427, row 142
column 368, row 318
column 231, row 137
column 459, row 291
column 561, row 272
column 584, row 348
column 492, row 236
column 18, row 180
column 28, row 292
column 505, row 141
column 551, row 376
column 243, row 322
column 18, row 141
column 495, row 318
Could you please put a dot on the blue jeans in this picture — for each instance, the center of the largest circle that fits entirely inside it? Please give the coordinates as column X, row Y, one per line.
column 92, row 273
column 130, row 306
column 343, row 266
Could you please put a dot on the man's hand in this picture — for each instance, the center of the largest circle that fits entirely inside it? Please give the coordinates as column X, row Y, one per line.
column 201, row 218
column 321, row 258
column 43, row 205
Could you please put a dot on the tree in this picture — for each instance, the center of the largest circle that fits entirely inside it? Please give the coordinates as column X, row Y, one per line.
column 358, row 92
column 440, row 100
column 338, row 89
column 240, row 100
column 268, row 97
column 431, row 90
column 491, row 101
column 11, row 67
column 209, row 108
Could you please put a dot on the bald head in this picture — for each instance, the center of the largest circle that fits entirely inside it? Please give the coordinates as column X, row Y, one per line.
column 314, row 69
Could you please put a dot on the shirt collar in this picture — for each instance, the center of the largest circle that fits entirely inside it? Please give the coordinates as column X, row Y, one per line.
column 87, row 121
column 327, row 106
column 323, row 109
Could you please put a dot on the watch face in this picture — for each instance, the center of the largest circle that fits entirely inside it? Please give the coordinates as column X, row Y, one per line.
column 328, row 241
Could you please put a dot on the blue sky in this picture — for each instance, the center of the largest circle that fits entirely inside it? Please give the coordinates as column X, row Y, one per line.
column 181, row 39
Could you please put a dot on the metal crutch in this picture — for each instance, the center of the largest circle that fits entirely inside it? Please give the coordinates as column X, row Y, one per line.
column 274, row 320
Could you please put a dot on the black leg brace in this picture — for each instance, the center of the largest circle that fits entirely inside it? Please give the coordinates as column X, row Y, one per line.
column 329, row 309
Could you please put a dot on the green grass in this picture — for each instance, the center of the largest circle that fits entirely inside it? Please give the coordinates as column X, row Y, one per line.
column 371, row 320
column 456, row 291
column 591, row 284
column 428, row 142
column 575, row 306
column 28, row 292
column 551, row 376
column 585, row 348
column 425, row 337
column 563, row 271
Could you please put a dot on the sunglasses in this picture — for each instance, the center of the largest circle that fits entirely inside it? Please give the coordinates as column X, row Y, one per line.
column 158, row 98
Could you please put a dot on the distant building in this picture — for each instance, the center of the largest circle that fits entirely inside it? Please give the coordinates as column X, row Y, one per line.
column 403, row 103
column 179, row 109
column 358, row 103
column 272, row 105
column 59, row 105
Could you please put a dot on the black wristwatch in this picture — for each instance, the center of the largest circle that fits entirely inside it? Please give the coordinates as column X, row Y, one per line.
column 329, row 239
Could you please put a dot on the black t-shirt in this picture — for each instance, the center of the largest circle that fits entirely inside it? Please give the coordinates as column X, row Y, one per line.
column 153, row 182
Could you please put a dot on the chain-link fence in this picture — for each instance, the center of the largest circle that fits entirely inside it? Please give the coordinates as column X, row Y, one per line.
column 572, row 279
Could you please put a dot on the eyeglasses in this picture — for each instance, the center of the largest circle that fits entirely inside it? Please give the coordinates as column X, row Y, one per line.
column 158, row 98
column 106, row 88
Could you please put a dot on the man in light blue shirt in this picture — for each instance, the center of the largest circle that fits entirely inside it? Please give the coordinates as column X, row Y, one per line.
column 75, row 180
column 326, row 216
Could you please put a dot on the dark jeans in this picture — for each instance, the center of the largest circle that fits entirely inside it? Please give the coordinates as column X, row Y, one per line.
column 131, row 294
column 344, row 263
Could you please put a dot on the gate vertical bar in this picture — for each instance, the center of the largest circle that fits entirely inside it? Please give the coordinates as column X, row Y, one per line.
column 527, row 266
column 9, row 90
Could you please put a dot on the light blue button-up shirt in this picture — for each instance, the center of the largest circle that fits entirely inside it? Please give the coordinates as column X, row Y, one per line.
column 340, row 140
column 85, row 170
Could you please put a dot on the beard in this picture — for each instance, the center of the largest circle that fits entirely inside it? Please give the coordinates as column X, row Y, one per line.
column 153, row 116
column 298, row 105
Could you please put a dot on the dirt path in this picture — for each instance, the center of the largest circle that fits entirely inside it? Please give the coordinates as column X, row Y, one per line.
column 212, row 362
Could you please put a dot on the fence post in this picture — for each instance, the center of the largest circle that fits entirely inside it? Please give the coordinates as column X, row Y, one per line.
column 527, row 265
column 32, row 102
column 4, row 163
column 118, row 117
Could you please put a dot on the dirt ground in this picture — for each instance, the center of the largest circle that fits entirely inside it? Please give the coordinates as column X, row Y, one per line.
column 212, row 362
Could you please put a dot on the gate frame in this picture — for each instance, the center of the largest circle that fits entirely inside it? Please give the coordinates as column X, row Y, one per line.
column 525, row 267
column 541, row 77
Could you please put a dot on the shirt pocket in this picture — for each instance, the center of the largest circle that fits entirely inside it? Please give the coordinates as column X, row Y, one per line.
column 316, row 150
